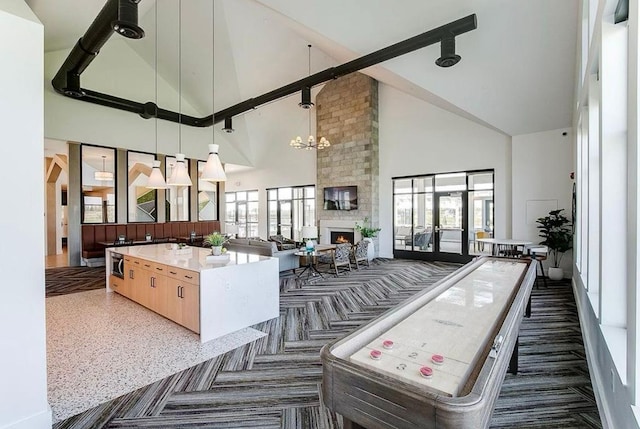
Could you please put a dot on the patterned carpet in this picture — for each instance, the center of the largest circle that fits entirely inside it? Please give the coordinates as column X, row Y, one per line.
column 275, row 381
column 61, row 281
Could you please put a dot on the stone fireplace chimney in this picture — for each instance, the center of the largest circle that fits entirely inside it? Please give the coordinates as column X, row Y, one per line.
column 347, row 115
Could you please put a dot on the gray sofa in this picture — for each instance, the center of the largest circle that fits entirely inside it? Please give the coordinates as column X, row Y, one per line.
column 286, row 258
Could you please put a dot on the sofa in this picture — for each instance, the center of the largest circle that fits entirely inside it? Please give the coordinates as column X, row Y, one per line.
column 287, row 259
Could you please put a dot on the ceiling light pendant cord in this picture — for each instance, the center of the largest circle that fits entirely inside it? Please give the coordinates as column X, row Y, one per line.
column 180, row 175
column 156, row 179
column 310, row 140
column 213, row 171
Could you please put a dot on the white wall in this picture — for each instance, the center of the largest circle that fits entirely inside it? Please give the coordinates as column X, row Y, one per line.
column 540, row 182
column 23, row 386
column 419, row 138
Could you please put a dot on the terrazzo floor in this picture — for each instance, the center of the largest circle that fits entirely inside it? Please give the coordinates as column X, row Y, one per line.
column 101, row 345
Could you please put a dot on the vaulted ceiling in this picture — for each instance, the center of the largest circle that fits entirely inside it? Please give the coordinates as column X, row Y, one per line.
column 517, row 73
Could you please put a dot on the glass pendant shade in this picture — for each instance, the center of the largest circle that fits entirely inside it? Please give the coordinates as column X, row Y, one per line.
column 156, row 180
column 213, row 171
column 180, row 174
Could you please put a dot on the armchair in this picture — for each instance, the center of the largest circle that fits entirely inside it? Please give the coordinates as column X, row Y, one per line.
column 282, row 242
column 340, row 257
column 360, row 253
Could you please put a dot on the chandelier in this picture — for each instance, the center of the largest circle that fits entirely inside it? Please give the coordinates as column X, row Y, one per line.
column 306, row 103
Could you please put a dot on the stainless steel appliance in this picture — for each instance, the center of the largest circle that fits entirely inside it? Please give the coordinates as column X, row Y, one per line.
column 117, row 265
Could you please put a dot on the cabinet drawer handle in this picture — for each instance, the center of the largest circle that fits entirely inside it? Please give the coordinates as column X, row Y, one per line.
column 153, row 282
column 172, row 272
column 158, row 268
column 147, row 265
column 188, row 277
column 136, row 262
column 130, row 274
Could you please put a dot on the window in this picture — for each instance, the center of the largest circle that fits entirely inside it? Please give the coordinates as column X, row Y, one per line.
column 98, row 184
column 291, row 208
column 443, row 215
column 207, row 196
column 177, row 197
column 242, row 208
column 141, row 201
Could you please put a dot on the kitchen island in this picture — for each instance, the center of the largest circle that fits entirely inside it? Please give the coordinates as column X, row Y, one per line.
column 212, row 298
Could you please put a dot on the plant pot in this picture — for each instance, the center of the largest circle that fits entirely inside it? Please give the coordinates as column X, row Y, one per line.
column 371, row 248
column 216, row 250
column 555, row 273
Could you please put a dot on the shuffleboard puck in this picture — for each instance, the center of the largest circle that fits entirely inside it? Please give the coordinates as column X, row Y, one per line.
column 437, row 359
column 426, row 372
column 387, row 344
column 375, row 354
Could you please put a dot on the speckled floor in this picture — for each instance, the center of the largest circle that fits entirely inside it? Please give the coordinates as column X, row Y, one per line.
column 101, row 346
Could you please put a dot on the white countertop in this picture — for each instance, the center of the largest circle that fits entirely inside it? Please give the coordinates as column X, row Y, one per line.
column 194, row 259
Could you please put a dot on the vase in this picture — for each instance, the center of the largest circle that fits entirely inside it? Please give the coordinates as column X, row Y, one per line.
column 371, row 248
column 216, row 250
column 555, row 273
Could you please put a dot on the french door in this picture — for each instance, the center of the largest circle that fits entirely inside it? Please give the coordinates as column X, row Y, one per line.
column 450, row 223
column 438, row 217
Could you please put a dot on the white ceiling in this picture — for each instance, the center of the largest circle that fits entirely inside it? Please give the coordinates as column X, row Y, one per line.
column 516, row 74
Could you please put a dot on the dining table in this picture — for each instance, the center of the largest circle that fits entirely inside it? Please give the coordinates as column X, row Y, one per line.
column 510, row 244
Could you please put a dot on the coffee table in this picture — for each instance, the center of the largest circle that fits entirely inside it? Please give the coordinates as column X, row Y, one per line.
column 309, row 268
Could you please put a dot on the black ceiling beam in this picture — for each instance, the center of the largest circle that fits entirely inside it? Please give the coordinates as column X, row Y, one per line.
column 430, row 37
column 67, row 79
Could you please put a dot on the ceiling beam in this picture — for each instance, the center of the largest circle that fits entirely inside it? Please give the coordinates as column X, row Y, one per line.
column 67, row 79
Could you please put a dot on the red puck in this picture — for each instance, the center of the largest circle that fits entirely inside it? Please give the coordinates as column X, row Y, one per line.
column 437, row 359
column 375, row 354
column 426, row 372
column 387, row 344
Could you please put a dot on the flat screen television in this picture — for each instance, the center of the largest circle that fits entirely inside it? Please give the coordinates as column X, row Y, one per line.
column 341, row 198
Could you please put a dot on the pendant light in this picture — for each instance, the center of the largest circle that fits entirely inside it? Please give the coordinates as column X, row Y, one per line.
column 156, row 179
column 103, row 175
column 180, row 174
column 306, row 103
column 213, row 171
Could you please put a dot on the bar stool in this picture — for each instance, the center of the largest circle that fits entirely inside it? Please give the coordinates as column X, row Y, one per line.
column 539, row 254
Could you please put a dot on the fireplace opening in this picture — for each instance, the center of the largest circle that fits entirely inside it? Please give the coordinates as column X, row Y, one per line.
column 339, row 237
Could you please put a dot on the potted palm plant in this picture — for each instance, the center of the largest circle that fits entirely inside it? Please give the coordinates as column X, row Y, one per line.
column 215, row 240
column 555, row 228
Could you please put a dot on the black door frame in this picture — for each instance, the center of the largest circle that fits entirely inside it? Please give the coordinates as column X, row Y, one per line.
column 433, row 255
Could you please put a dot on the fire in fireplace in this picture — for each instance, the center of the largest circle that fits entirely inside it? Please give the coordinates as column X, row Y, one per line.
column 338, row 237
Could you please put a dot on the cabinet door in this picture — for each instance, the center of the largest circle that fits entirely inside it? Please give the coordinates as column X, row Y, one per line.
column 191, row 307
column 158, row 294
column 174, row 303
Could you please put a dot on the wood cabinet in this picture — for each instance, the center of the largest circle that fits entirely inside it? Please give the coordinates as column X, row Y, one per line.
column 119, row 285
column 169, row 291
column 183, row 302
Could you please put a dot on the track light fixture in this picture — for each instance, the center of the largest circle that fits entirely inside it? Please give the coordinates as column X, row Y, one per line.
column 306, row 102
column 448, row 55
column 228, row 126
column 127, row 22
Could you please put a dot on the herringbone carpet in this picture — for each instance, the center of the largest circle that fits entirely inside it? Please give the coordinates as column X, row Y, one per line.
column 275, row 381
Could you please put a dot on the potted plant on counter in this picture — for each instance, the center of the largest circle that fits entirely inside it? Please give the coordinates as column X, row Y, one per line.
column 555, row 228
column 215, row 240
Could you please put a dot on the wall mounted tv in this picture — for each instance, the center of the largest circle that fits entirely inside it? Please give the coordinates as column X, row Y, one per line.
column 341, row 198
